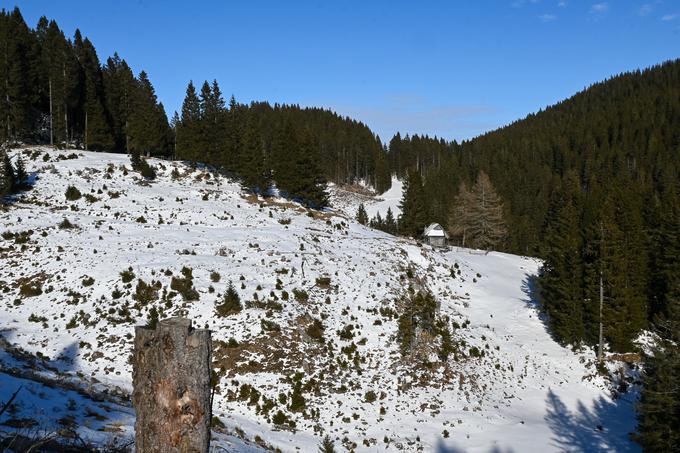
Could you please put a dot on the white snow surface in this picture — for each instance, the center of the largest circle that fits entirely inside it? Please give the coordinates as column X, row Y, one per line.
column 527, row 393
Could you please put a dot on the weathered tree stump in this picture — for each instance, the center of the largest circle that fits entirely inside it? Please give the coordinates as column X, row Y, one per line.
column 171, row 388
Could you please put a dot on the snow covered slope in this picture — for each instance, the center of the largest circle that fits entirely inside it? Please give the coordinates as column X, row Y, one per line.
column 347, row 202
column 65, row 296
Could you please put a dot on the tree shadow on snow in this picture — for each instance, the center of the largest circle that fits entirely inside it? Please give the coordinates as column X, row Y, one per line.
column 530, row 288
column 441, row 448
column 26, row 185
column 605, row 427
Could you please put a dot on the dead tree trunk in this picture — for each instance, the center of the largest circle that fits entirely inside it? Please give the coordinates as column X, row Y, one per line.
column 171, row 395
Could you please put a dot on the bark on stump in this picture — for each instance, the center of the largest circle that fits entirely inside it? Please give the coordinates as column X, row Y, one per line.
column 171, row 388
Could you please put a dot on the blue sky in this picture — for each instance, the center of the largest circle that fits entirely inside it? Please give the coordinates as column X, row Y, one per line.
column 452, row 68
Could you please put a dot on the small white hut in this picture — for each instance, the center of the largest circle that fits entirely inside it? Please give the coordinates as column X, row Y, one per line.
column 435, row 235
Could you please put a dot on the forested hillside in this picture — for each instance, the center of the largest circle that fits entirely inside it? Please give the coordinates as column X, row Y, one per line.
column 591, row 185
column 54, row 90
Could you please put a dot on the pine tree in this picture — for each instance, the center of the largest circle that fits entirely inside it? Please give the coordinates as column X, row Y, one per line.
column 148, row 124
column 413, row 219
column 390, row 222
column 309, row 184
column 188, row 130
column 560, row 283
column 230, row 304
column 284, row 147
column 97, row 134
column 20, row 176
column 326, row 445
column 377, row 222
column 362, row 216
column 6, row 174
column 254, row 167
column 659, row 405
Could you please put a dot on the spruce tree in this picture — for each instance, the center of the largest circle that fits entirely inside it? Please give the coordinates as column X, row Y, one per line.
column 362, row 216
column 6, row 174
column 117, row 79
column 659, row 405
column 413, row 219
column 390, row 222
column 97, row 133
column 326, row 445
column 230, row 304
column 284, row 148
column 308, row 184
column 148, row 125
column 560, row 283
column 188, row 130
column 255, row 171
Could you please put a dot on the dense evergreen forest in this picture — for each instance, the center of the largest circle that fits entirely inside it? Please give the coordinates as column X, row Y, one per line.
column 591, row 185
column 54, row 90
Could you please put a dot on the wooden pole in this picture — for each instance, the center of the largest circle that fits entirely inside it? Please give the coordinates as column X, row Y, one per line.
column 171, row 388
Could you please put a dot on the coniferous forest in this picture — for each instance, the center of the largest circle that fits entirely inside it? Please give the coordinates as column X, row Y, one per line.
column 55, row 90
column 591, row 184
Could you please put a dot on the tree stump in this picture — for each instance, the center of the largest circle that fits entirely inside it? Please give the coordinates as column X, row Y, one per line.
column 171, row 371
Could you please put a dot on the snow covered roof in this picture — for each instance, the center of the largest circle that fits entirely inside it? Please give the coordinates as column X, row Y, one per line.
column 435, row 230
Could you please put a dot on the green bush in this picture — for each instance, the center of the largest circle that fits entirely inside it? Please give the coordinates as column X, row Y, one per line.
column 300, row 295
column 323, row 282
column 127, row 275
column 231, row 303
column 72, row 193
column 31, row 289
column 185, row 285
column 315, row 330
column 142, row 166
column 145, row 293
column 370, row 396
column 66, row 225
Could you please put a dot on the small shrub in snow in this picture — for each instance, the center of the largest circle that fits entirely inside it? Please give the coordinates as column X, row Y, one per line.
column 72, row 193
column 323, row 282
column 88, row 281
column 315, row 330
column 145, row 293
column 215, row 276
column 231, row 303
column 269, row 326
column 185, row 285
column 300, row 295
column 127, row 275
column 370, row 396
column 326, row 445
column 152, row 322
column 31, row 289
column 66, row 225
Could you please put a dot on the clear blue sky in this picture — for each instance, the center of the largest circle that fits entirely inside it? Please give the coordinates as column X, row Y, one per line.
column 450, row 68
